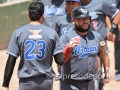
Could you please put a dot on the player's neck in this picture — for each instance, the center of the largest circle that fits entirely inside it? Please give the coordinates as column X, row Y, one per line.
column 35, row 22
column 82, row 33
column 69, row 14
column 85, row 1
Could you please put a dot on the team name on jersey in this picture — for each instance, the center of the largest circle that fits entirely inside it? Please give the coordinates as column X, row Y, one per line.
column 64, row 30
column 50, row 11
column 85, row 51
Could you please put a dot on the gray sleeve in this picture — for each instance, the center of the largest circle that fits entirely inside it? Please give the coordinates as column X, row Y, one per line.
column 110, row 10
column 13, row 48
column 113, row 2
column 57, row 46
column 63, row 41
column 116, row 3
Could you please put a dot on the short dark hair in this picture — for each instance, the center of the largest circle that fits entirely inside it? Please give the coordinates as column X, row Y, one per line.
column 36, row 10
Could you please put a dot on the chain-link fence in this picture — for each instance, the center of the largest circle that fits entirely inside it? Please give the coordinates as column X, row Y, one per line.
column 11, row 18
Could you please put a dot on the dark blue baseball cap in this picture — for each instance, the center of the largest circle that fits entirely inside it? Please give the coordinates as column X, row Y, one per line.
column 73, row 0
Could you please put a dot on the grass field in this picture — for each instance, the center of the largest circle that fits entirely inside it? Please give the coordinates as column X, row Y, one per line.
column 12, row 17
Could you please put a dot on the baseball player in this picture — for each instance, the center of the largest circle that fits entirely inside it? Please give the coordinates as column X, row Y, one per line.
column 53, row 9
column 63, row 24
column 80, row 47
column 116, row 3
column 35, row 43
column 99, row 12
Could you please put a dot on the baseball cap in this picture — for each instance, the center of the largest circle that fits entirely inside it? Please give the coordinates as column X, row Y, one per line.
column 73, row 0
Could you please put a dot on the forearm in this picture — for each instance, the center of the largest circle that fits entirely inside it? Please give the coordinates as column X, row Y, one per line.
column 115, row 23
column 108, row 22
column 116, row 20
column 67, row 52
column 8, row 70
column 59, row 58
column 107, row 61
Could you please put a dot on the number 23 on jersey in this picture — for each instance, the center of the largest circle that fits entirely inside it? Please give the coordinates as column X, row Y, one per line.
column 31, row 44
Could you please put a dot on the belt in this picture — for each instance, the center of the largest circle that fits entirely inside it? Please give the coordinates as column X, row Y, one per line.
column 77, row 81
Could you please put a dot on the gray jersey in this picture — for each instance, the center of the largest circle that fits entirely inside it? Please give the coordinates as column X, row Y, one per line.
column 99, row 9
column 53, row 9
column 81, row 64
column 36, row 44
column 63, row 25
column 115, row 3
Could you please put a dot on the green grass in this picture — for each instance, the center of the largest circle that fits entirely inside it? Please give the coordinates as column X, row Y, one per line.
column 11, row 18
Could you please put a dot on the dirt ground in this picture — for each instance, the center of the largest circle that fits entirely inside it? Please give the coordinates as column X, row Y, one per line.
column 113, row 85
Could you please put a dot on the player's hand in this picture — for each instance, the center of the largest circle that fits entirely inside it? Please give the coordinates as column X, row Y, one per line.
column 67, row 50
column 5, row 88
column 110, row 36
column 114, row 38
column 108, row 78
column 74, row 41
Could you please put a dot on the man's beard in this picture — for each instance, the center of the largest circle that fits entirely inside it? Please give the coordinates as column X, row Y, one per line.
column 80, row 29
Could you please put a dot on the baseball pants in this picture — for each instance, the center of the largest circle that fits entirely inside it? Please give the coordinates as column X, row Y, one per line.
column 117, row 52
column 42, row 82
column 78, row 85
column 98, row 81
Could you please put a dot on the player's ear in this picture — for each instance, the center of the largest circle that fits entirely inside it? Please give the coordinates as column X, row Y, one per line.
column 65, row 3
column 42, row 18
column 73, row 21
column 79, row 4
column 27, row 14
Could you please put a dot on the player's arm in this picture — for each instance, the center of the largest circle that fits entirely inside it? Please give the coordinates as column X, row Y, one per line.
column 67, row 50
column 57, row 52
column 107, row 64
column 107, row 80
column 108, row 22
column 113, row 13
column 8, row 71
column 105, row 61
column 114, row 27
column 59, row 58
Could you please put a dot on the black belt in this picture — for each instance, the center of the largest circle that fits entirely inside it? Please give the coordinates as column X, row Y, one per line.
column 77, row 81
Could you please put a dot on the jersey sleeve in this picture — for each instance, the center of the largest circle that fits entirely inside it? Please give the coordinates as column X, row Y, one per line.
column 63, row 41
column 13, row 48
column 110, row 10
column 115, row 3
column 57, row 46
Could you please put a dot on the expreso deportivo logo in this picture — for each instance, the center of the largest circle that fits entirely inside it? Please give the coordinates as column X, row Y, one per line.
column 85, row 51
column 50, row 11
